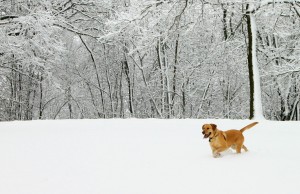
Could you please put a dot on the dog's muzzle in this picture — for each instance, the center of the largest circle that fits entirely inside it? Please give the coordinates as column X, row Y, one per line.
column 206, row 135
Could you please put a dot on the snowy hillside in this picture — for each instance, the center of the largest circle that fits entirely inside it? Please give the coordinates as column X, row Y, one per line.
column 145, row 157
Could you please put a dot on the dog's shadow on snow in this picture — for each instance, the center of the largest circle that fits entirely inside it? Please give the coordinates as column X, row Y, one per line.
column 230, row 153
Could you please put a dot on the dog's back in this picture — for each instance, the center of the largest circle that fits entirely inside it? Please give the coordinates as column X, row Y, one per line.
column 234, row 136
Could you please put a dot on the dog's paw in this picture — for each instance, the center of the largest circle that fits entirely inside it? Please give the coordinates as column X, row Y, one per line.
column 217, row 155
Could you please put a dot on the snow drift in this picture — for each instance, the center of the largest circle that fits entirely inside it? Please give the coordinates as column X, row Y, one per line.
column 145, row 157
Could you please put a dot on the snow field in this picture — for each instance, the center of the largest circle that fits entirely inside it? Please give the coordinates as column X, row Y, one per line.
column 145, row 157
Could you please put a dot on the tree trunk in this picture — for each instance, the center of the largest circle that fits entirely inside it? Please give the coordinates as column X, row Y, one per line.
column 254, row 79
column 41, row 98
column 110, row 89
column 69, row 98
column 97, row 75
column 224, row 20
column 126, row 70
column 121, row 94
column 162, row 80
column 175, row 74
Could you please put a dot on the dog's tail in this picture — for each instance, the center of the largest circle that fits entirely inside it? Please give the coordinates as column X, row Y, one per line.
column 248, row 127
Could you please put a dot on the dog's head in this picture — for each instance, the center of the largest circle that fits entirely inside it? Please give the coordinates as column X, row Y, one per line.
column 208, row 130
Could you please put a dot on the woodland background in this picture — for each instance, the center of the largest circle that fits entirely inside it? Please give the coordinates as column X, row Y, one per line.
column 76, row 59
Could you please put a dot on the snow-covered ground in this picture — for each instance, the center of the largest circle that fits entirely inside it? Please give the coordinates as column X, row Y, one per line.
column 145, row 157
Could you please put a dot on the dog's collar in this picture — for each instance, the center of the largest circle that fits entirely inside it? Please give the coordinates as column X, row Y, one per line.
column 211, row 138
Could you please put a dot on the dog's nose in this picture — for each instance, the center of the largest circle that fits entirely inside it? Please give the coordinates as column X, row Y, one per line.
column 203, row 132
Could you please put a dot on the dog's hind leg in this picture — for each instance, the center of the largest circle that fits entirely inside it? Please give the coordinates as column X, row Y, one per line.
column 238, row 148
column 245, row 148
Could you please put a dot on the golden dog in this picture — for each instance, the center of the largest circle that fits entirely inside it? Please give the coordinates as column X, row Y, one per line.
column 222, row 140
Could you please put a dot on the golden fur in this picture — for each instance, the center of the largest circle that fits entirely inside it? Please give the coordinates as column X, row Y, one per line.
column 222, row 140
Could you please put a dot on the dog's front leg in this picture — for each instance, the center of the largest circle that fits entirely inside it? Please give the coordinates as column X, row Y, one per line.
column 216, row 155
column 217, row 152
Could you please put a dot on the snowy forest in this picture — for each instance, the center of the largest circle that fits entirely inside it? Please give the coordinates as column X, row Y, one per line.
column 72, row 59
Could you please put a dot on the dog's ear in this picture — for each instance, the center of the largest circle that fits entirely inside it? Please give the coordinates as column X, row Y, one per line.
column 203, row 126
column 214, row 127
